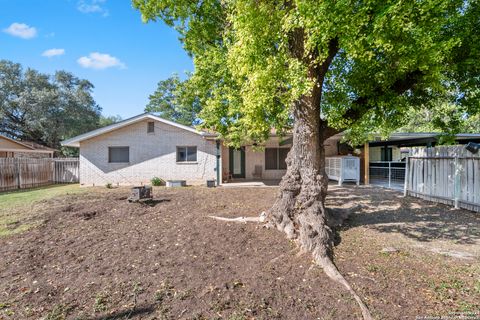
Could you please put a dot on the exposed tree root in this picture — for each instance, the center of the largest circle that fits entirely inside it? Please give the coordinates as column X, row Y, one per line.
column 259, row 219
column 323, row 261
column 332, row 272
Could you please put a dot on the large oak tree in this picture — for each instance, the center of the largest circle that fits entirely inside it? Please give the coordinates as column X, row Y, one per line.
column 45, row 108
column 317, row 68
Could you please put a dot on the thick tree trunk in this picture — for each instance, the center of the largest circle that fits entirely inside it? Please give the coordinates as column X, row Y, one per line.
column 299, row 210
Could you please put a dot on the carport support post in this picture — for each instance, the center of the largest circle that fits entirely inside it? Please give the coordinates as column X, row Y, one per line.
column 366, row 164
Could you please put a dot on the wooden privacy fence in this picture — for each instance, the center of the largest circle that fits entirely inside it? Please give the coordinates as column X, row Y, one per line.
column 22, row 173
column 449, row 175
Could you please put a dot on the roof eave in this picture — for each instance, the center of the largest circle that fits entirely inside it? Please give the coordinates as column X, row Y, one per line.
column 75, row 141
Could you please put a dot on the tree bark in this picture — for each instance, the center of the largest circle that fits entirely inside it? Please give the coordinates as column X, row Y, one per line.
column 299, row 209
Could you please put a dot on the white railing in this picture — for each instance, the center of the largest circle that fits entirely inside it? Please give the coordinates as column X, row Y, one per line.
column 389, row 174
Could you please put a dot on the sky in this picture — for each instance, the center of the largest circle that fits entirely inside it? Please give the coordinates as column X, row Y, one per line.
column 103, row 41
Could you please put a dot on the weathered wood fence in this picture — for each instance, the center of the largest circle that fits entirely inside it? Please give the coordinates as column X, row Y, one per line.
column 22, row 173
column 449, row 175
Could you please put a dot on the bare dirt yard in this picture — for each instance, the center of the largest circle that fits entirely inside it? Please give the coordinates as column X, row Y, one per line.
column 92, row 255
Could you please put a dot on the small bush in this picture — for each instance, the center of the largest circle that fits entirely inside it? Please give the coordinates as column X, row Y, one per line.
column 109, row 185
column 156, row 181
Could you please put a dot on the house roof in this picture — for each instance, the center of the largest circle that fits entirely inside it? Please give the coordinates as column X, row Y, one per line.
column 16, row 142
column 26, row 146
column 75, row 141
column 403, row 138
column 38, row 146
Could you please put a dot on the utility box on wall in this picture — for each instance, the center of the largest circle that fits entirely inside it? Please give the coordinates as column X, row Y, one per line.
column 343, row 168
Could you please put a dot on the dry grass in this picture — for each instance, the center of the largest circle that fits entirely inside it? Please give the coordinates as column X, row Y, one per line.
column 17, row 212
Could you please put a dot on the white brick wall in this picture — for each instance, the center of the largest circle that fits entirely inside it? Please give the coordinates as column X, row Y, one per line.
column 151, row 155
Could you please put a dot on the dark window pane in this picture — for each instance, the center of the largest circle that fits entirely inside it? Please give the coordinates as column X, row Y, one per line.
column 118, row 154
column 181, row 154
column 192, row 154
column 151, row 127
column 282, row 155
column 271, row 158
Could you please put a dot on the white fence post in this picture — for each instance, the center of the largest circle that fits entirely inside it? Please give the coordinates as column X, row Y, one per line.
column 405, row 184
column 389, row 174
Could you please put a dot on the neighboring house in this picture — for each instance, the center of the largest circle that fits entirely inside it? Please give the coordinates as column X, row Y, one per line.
column 135, row 150
column 11, row 148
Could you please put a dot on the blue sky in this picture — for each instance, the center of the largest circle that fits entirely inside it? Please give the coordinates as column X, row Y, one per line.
column 103, row 41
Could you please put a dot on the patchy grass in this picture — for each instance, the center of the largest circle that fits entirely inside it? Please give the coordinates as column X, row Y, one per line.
column 17, row 212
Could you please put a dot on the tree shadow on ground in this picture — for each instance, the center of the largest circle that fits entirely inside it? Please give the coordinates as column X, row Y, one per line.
column 388, row 211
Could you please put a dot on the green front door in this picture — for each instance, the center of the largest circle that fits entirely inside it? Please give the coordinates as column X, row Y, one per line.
column 237, row 162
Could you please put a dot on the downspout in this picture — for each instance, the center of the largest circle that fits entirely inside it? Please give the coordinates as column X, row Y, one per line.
column 218, row 162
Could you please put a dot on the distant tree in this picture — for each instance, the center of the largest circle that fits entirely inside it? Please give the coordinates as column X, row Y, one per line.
column 45, row 108
column 108, row 120
column 445, row 118
column 472, row 124
column 175, row 100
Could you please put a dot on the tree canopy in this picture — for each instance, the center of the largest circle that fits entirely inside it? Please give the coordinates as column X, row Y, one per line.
column 108, row 120
column 45, row 108
column 254, row 59
column 321, row 67
column 174, row 100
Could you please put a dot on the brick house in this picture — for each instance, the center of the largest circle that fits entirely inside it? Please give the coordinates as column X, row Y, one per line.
column 135, row 150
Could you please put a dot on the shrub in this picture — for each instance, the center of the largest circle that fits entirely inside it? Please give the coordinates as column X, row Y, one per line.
column 109, row 185
column 156, row 181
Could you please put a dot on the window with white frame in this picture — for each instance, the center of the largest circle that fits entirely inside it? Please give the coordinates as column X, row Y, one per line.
column 275, row 158
column 187, row 154
column 118, row 154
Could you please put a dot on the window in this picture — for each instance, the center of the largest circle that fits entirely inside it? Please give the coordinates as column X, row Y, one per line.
column 151, row 127
column 386, row 154
column 186, row 154
column 275, row 158
column 118, row 154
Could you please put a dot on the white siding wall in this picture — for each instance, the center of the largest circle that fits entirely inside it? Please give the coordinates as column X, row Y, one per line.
column 151, row 155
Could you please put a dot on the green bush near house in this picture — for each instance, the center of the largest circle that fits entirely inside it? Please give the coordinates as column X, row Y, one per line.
column 157, row 182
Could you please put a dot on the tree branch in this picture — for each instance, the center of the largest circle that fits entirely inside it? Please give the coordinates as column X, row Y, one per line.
column 364, row 104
